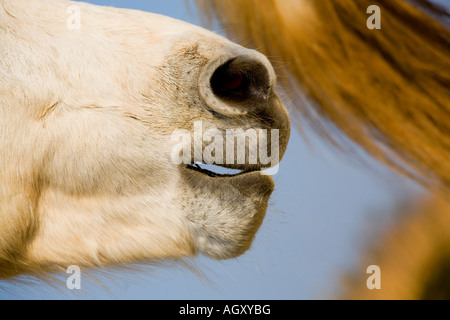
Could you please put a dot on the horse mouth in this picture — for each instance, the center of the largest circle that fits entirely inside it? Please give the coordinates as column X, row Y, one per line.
column 220, row 171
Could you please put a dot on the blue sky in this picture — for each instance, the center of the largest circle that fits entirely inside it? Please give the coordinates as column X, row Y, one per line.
column 320, row 216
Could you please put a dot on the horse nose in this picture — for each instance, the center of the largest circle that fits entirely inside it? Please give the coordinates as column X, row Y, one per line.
column 238, row 85
column 241, row 79
column 238, row 88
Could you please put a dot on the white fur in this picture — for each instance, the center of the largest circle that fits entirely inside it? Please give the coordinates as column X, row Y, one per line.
column 85, row 123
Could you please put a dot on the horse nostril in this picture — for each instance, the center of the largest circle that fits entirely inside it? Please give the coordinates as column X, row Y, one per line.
column 241, row 79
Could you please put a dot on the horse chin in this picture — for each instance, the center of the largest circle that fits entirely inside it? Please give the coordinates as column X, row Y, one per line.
column 225, row 211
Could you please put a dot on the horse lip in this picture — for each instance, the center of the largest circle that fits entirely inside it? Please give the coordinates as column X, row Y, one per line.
column 247, row 183
column 243, row 170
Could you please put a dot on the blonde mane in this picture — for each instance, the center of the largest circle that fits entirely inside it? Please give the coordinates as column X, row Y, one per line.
column 387, row 90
